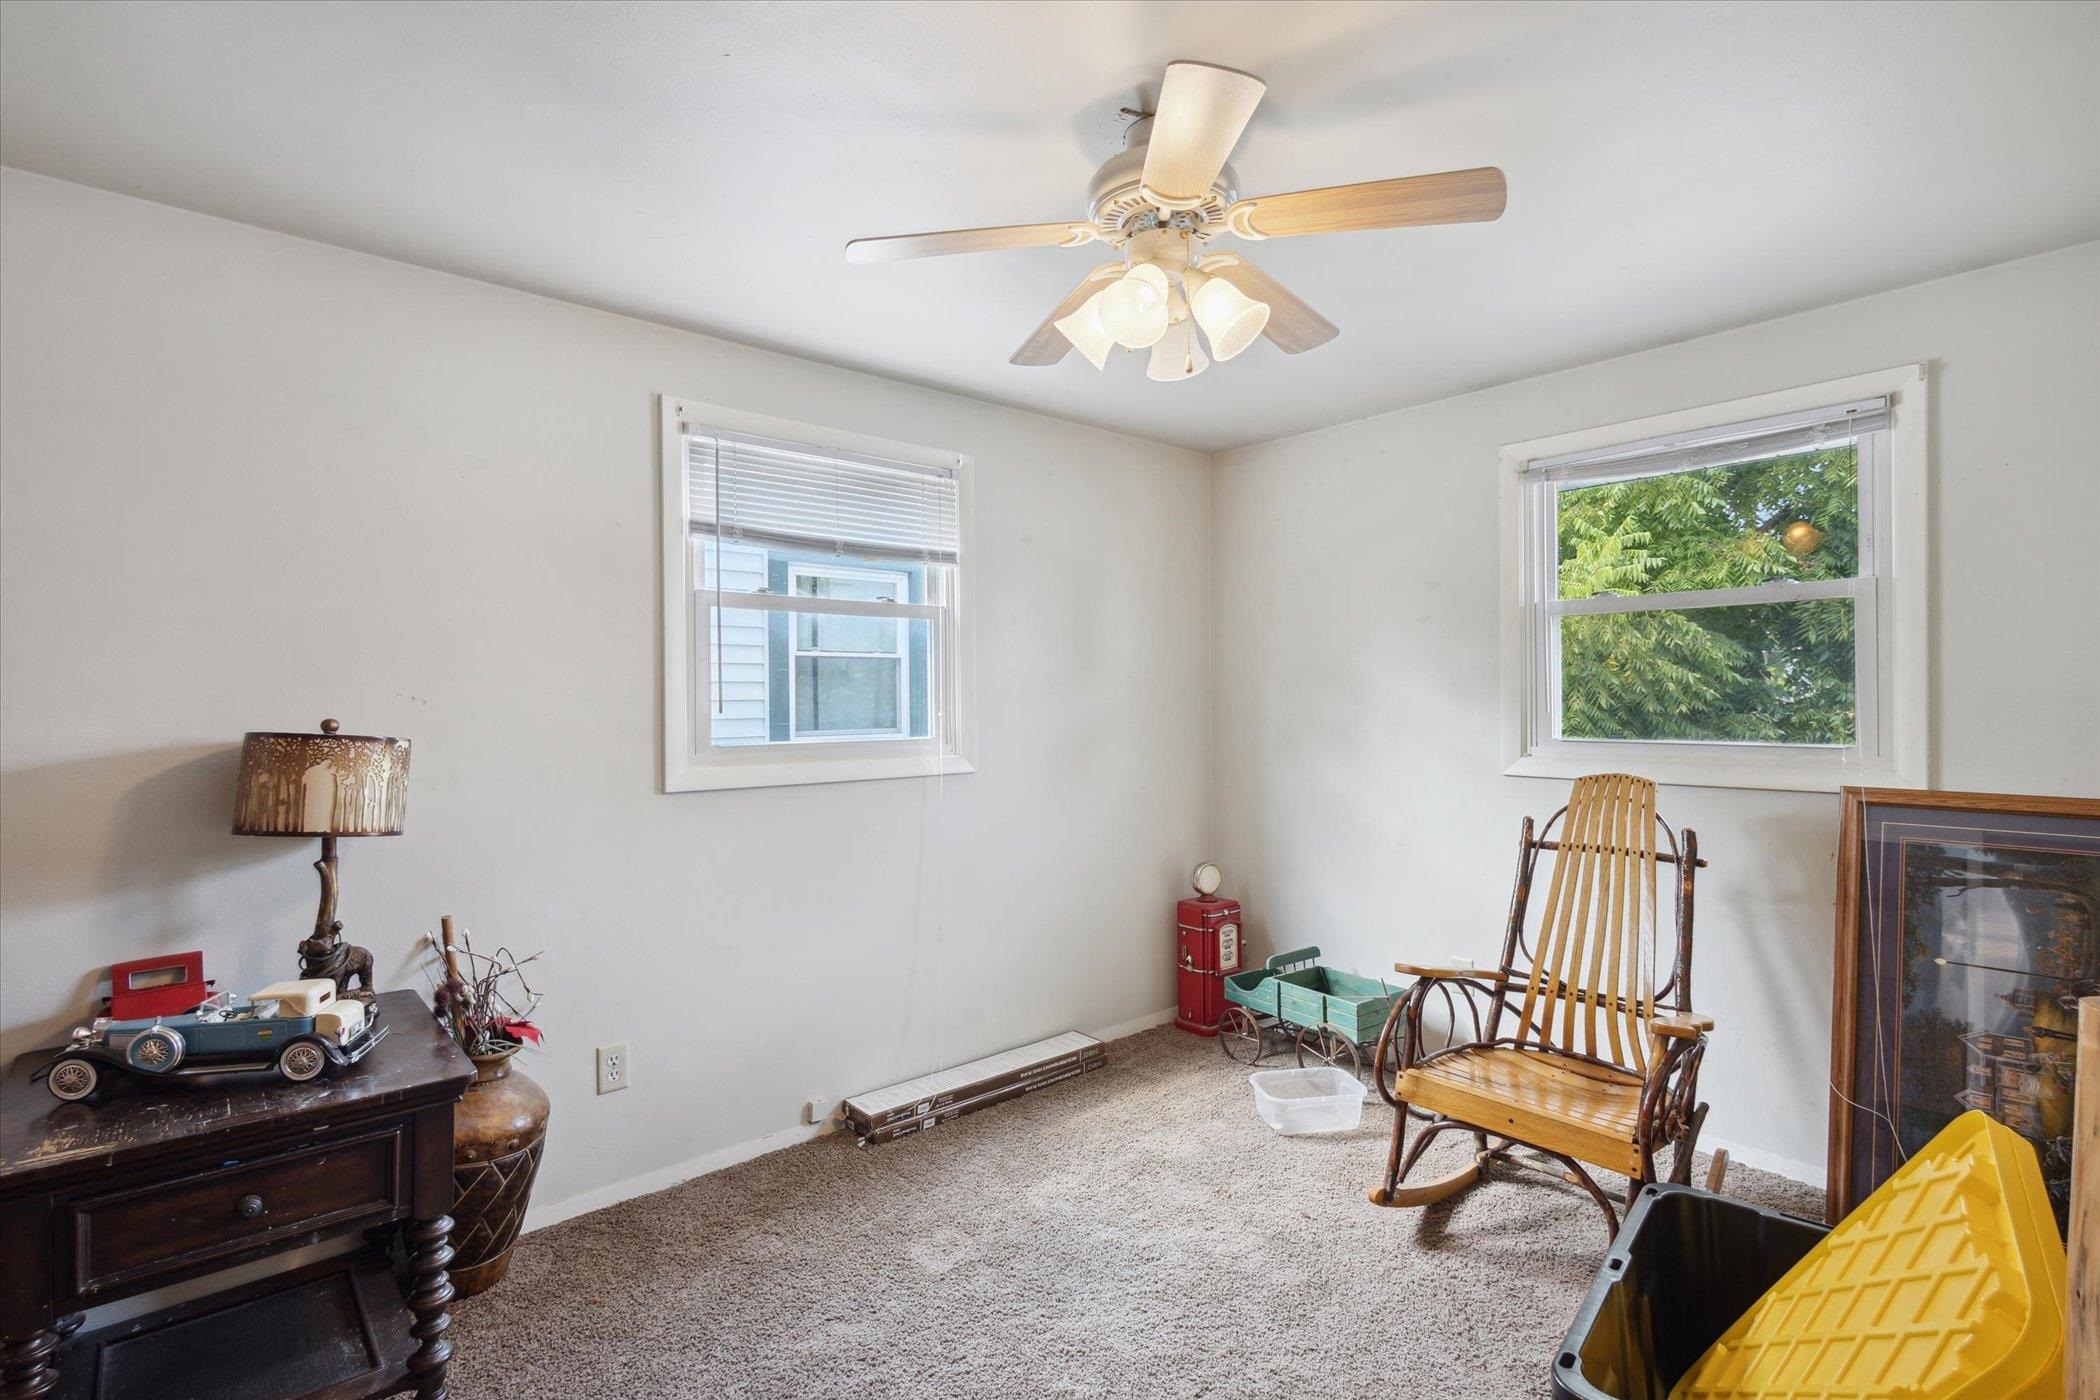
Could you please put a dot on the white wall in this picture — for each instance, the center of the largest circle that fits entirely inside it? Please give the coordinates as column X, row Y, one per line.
column 247, row 481
column 1357, row 782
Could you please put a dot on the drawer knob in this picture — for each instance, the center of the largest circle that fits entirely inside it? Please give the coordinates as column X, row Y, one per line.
column 249, row 1207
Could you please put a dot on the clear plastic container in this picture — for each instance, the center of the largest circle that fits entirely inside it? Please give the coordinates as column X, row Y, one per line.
column 1322, row 1099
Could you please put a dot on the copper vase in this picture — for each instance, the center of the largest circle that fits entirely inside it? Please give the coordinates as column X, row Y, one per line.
column 497, row 1133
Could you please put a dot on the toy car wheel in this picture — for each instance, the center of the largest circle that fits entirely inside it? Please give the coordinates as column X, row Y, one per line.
column 1240, row 1035
column 156, row 1051
column 300, row 1061
column 1323, row 1045
column 73, row 1079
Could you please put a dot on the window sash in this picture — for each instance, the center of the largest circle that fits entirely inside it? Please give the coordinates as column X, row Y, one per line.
column 1544, row 608
column 798, row 735
column 834, row 607
column 899, row 656
column 1866, row 695
column 1750, row 594
column 942, row 681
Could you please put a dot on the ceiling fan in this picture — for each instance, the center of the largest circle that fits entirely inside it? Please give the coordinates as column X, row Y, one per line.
column 1158, row 204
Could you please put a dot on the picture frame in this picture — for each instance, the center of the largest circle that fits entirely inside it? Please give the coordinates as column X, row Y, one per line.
column 1966, row 931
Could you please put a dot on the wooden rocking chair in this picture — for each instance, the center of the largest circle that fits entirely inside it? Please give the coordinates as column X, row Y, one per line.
column 1581, row 1055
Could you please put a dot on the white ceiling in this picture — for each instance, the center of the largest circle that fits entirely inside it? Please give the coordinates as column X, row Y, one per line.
column 1674, row 169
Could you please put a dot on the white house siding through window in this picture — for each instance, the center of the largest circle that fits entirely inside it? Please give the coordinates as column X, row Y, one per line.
column 814, row 581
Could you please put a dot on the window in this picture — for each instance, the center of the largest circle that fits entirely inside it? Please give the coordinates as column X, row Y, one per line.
column 851, row 676
column 1731, row 597
column 812, row 604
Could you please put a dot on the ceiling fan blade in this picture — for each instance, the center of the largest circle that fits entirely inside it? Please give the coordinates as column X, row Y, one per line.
column 969, row 240
column 1048, row 345
column 1293, row 326
column 1202, row 111
column 1453, row 197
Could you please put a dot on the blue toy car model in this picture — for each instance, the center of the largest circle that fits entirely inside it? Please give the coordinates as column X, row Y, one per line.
column 298, row 1029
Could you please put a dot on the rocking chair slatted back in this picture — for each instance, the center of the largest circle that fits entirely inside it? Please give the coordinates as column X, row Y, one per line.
column 1603, row 1064
column 1596, row 942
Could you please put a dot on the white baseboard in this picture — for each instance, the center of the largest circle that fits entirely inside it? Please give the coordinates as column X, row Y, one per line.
column 1143, row 1023
column 540, row 1216
column 663, row 1178
column 1807, row 1173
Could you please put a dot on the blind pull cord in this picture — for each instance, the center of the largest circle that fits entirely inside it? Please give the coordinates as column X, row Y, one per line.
column 721, row 682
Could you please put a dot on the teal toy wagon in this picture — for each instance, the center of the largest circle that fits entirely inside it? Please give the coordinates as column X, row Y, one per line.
column 1327, row 1016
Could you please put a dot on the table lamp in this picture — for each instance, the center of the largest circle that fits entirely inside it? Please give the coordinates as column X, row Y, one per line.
column 324, row 785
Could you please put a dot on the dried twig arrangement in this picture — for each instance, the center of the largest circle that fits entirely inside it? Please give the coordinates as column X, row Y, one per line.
column 483, row 998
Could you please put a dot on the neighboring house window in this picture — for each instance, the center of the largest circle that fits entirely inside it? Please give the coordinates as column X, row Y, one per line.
column 812, row 581
column 1731, row 597
column 850, row 677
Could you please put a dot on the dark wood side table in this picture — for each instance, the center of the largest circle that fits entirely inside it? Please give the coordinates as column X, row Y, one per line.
column 150, row 1185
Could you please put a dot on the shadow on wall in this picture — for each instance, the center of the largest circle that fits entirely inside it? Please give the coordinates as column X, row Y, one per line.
column 1793, row 927
column 119, row 824
column 133, row 832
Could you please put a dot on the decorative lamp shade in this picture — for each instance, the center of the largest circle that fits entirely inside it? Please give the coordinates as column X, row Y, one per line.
column 325, row 784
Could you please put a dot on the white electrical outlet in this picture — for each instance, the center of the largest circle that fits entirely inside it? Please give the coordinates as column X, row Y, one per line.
column 612, row 1067
column 817, row 1110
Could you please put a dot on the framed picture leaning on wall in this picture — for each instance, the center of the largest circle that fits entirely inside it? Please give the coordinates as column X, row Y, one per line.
column 1968, row 925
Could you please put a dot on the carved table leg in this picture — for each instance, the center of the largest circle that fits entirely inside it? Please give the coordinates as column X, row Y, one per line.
column 430, row 1291
column 26, row 1369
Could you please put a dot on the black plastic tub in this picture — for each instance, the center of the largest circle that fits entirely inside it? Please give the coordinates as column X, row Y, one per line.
column 1685, row 1266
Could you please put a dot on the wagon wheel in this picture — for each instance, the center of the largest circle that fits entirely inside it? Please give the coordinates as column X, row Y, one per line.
column 1240, row 1035
column 1324, row 1045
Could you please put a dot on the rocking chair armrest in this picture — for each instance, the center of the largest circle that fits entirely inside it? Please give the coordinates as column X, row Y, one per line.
column 1681, row 1025
column 1449, row 974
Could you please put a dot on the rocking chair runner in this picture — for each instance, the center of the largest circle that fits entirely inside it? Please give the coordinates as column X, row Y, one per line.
column 1601, row 1065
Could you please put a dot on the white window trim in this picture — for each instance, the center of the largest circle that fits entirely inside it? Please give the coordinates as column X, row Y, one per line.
column 1894, row 695
column 902, row 656
column 702, row 768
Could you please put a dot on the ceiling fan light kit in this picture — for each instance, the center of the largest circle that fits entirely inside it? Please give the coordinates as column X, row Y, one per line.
column 1133, row 308
column 1177, row 356
column 1160, row 200
column 1084, row 330
column 1231, row 319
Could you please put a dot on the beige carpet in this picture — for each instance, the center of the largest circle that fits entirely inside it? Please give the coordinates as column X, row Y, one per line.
column 1134, row 1232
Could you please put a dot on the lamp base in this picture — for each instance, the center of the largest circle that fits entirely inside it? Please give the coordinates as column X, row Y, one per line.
column 326, row 954
column 339, row 962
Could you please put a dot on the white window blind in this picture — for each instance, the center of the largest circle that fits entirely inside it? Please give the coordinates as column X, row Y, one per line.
column 1718, row 446
column 761, row 491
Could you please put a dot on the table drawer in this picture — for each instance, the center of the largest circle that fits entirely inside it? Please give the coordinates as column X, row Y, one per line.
column 176, row 1226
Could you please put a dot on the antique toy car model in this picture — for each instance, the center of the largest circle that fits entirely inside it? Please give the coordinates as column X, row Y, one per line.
column 298, row 1029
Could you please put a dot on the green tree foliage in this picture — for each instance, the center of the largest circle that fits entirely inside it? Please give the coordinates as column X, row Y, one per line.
column 1765, row 672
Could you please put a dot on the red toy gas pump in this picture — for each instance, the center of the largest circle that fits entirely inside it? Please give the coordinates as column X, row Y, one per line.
column 1207, row 939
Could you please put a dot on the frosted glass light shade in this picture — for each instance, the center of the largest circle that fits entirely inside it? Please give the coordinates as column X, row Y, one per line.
column 1229, row 317
column 1084, row 329
column 1177, row 355
column 1134, row 307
